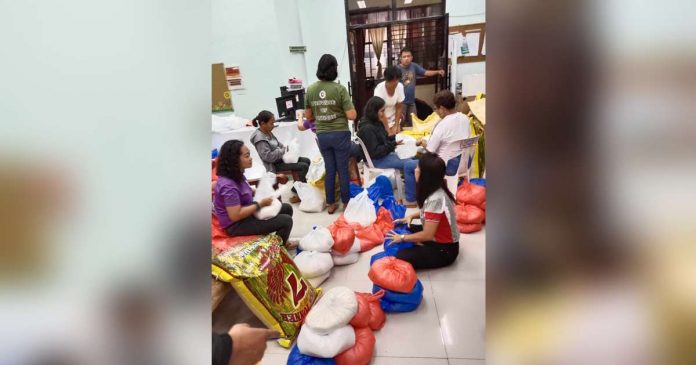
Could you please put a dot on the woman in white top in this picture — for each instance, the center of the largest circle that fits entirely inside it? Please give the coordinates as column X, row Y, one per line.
column 448, row 132
column 392, row 92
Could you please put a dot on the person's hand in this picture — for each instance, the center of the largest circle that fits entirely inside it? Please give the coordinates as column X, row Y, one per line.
column 266, row 201
column 249, row 344
column 400, row 142
column 393, row 236
column 441, row 72
column 402, row 221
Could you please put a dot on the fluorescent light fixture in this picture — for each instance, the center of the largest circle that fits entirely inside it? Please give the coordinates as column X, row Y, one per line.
column 361, row 4
column 408, row 1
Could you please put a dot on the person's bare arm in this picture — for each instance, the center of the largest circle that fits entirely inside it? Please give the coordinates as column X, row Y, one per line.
column 249, row 344
column 351, row 114
column 308, row 114
column 427, row 234
column 300, row 124
column 434, row 72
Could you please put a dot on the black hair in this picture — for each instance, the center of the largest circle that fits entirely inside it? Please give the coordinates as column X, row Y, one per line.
column 263, row 117
column 392, row 73
column 327, row 69
column 432, row 177
column 229, row 160
column 405, row 49
column 372, row 107
column 444, row 98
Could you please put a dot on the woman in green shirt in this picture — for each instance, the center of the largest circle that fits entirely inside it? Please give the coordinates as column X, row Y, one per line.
column 328, row 103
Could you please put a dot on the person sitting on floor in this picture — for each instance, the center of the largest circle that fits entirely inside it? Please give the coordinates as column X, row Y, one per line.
column 271, row 150
column 233, row 202
column 448, row 132
column 437, row 240
column 381, row 145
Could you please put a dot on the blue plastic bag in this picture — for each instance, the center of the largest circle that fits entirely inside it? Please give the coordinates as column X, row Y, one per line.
column 381, row 189
column 394, row 307
column 297, row 358
column 392, row 248
column 414, row 297
column 214, row 154
column 355, row 190
column 397, row 210
column 480, row 182
column 378, row 256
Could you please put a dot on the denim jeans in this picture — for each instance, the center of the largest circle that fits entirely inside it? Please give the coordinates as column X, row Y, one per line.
column 335, row 148
column 392, row 161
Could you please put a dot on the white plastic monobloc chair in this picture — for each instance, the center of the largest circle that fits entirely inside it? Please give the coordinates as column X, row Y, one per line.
column 371, row 172
column 467, row 147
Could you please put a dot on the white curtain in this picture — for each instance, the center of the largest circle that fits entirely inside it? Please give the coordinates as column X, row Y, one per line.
column 377, row 39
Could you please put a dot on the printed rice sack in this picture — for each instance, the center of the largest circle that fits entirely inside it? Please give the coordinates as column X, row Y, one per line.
column 313, row 263
column 327, row 345
column 269, row 282
column 393, row 274
column 361, row 352
column 335, row 309
column 318, row 239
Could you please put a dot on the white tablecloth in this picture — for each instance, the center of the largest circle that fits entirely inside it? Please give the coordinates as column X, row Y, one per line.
column 284, row 131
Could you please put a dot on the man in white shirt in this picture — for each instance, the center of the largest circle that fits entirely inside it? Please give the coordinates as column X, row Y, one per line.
column 392, row 92
column 446, row 134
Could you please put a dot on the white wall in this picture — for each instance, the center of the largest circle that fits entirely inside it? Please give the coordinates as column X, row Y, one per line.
column 323, row 24
column 256, row 35
column 466, row 11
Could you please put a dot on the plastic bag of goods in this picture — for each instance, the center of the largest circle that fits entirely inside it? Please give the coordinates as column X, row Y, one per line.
column 469, row 214
column 377, row 317
column 397, row 210
column 269, row 282
column 293, row 153
column 393, row 274
column 312, row 199
column 394, row 302
column 313, row 263
column 333, row 310
column 380, row 188
column 469, row 228
column 316, row 170
column 362, row 316
column 318, row 280
column 360, row 210
column 350, row 257
column 361, row 352
column 265, row 190
column 343, row 236
column 318, row 239
column 285, row 191
column 378, row 256
column 473, row 194
column 408, row 148
column 327, row 345
column 297, row 358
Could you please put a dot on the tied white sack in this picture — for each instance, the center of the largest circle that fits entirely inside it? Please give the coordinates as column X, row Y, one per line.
column 316, row 170
column 319, row 279
column 335, row 309
column 313, row 263
column 327, row 346
column 312, row 199
column 318, row 239
column 408, row 149
column 361, row 210
column 351, row 257
column 293, row 153
column 265, row 190
column 285, row 191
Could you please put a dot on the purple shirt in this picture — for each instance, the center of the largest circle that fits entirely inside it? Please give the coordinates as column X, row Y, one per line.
column 310, row 124
column 229, row 193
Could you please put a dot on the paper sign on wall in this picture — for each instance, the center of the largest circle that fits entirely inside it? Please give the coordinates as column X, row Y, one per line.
column 221, row 97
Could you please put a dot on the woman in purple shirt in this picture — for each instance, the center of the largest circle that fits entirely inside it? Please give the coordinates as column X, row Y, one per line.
column 233, row 202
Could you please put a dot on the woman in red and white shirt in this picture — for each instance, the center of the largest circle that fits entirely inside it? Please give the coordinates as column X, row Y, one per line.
column 437, row 244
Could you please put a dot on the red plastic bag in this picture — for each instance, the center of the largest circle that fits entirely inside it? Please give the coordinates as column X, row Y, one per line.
column 221, row 241
column 384, row 222
column 361, row 352
column 377, row 317
column 343, row 236
column 393, row 274
column 369, row 237
column 362, row 316
column 468, row 193
column 469, row 214
column 469, row 228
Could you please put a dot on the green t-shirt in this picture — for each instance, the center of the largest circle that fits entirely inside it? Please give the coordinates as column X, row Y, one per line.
column 329, row 102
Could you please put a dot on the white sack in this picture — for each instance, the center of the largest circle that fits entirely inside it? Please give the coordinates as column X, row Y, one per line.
column 293, row 153
column 316, row 170
column 312, row 199
column 265, row 190
column 313, row 263
column 310, row 343
column 351, row 257
column 361, row 210
column 319, row 279
column 318, row 239
column 334, row 309
column 285, row 191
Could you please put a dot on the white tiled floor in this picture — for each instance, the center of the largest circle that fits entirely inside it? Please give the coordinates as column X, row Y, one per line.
column 449, row 326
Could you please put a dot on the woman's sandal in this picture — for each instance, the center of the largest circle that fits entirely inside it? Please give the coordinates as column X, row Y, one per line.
column 331, row 208
column 292, row 244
